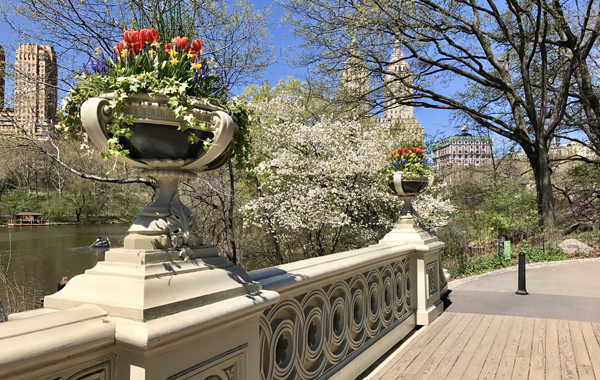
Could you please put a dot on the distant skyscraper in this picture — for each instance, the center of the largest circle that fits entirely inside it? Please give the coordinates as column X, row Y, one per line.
column 36, row 78
column 398, row 79
column 354, row 83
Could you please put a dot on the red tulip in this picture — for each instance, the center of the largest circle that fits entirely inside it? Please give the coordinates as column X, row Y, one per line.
column 167, row 49
column 121, row 46
column 148, row 36
column 197, row 46
column 131, row 37
column 181, row 43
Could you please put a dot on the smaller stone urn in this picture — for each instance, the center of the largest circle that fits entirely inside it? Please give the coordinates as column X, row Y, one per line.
column 407, row 188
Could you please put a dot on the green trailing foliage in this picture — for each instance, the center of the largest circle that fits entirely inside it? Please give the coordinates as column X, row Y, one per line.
column 175, row 70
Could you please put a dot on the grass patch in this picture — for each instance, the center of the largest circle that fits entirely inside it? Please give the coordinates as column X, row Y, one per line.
column 484, row 264
column 478, row 265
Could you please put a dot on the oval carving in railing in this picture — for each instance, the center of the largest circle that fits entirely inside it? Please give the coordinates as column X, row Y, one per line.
column 307, row 336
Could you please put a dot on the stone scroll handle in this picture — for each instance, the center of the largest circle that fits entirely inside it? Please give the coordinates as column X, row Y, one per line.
column 95, row 114
column 223, row 128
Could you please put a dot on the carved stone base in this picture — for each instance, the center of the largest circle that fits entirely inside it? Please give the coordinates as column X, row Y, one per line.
column 148, row 284
column 425, row 317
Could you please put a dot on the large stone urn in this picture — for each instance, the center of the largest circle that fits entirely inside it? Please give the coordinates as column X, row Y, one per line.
column 165, row 154
column 163, row 267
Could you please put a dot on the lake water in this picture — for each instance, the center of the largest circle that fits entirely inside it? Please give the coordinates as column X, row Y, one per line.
column 43, row 255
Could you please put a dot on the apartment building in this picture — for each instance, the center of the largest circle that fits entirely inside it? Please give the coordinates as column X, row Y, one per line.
column 35, row 100
column 462, row 150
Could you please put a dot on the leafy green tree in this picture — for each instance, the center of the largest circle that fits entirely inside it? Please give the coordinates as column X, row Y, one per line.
column 513, row 56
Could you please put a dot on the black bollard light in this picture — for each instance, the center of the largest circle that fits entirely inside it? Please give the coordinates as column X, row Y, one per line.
column 522, row 290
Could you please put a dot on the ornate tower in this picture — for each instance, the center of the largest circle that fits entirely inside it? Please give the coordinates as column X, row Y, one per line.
column 399, row 118
column 398, row 78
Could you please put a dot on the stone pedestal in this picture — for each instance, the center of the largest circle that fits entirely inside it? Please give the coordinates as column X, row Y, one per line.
column 174, row 318
column 430, row 281
column 147, row 284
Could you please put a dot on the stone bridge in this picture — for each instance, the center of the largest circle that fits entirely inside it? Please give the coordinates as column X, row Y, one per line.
column 149, row 314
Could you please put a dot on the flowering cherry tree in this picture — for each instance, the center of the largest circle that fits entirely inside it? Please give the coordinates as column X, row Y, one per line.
column 321, row 181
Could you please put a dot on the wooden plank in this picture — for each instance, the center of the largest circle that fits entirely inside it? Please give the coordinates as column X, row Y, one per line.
column 552, row 350
column 596, row 329
column 537, row 366
column 471, row 363
column 429, row 350
column 507, row 361
column 593, row 347
column 476, row 326
column 492, row 361
column 521, row 369
column 568, row 365
column 424, row 368
column 582, row 358
column 464, row 358
column 412, row 350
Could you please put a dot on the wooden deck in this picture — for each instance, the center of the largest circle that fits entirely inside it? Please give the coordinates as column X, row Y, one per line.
column 476, row 346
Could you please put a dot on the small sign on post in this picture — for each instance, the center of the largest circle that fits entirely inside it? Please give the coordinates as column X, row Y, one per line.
column 507, row 249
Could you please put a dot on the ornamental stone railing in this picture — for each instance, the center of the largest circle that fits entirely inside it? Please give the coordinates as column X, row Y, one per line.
column 150, row 314
column 326, row 319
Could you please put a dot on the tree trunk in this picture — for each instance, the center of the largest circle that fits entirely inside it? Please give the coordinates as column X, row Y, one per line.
column 230, row 224
column 543, row 185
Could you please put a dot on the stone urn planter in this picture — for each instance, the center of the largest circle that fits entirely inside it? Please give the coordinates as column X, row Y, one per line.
column 407, row 188
column 158, row 147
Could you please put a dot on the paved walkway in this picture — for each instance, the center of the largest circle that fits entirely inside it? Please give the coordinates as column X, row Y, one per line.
column 488, row 332
column 567, row 290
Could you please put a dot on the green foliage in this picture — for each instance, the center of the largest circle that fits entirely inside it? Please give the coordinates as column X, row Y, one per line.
column 551, row 252
column 505, row 209
column 478, row 265
column 181, row 74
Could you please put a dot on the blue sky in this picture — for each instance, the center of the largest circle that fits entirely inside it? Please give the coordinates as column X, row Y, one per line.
column 434, row 121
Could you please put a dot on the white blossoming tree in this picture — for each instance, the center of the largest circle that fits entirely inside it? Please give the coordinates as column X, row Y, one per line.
column 319, row 183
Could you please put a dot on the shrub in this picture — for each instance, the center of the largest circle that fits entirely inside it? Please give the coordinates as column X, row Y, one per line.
column 551, row 253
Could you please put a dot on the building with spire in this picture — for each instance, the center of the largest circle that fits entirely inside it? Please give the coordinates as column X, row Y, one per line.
column 398, row 81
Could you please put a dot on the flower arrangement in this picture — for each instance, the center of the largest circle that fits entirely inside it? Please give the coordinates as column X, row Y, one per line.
column 178, row 70
column 412, row 161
